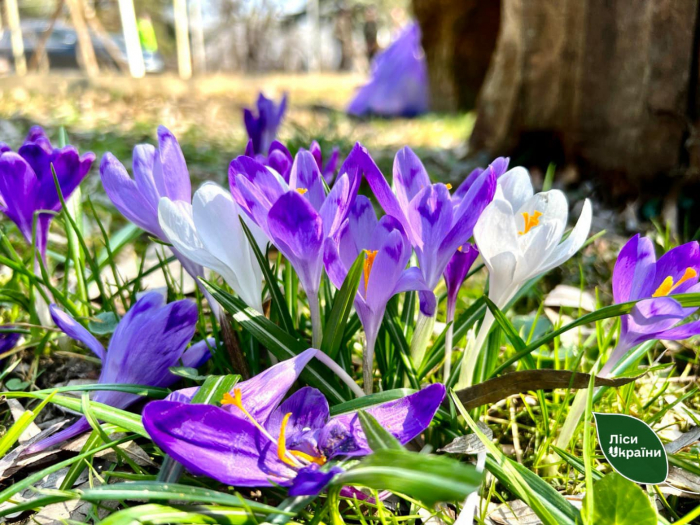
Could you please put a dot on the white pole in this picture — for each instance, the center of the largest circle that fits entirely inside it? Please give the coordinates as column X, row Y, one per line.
column 134, row 55
column 314, row 19
column 16, row 37
column 200, row 59
column 182, row 38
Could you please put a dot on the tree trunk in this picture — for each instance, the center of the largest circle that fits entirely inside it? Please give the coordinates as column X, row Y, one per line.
column 459, row 37
column 610, row 81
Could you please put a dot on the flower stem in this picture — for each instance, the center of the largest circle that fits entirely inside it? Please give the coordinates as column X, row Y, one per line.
column 471, row 353
column 367, row 361
column 448, row 340
column 342, row 374
column 317, row 329
column 421, row 337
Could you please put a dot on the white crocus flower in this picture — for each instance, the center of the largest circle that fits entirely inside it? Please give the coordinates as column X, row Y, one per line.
column 209, row 233
column 519, row 236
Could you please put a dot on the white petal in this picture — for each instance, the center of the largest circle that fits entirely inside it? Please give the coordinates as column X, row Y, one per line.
column 217, row 221
column 573, row 243
column 175, row 218
column 495, row 232
column 551, row 224
column 502, row 285
column 516, row 186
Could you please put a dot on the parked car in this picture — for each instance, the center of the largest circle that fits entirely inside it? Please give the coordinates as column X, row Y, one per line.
column 62, row 48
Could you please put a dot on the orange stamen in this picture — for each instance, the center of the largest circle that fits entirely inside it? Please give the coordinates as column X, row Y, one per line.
column 530, row 221
column 367, row 268
column 448, row 186
column 667, row 286
column 301, row 191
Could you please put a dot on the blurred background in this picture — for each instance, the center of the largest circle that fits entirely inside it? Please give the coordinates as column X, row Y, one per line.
column 603, row 93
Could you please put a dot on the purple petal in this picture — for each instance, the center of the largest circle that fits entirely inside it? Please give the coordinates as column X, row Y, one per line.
column 76, row 331
column 212, row 442
column 457, row 269
column 77, row 428
column 405, row 418
column 683, row 331
column 8, row 339
column 389, row 263
column 18, row 186
column 336, row 206
column 412, row 280
column 311, row 481
column 309, row 413
column 199, row 353
column 634, row 270
column 335, row 267
column 297, row 231
column 268, row 388
column 305, row 175
column 362, row 223
column 170, row 170
column 674, row 263
column 410, row 176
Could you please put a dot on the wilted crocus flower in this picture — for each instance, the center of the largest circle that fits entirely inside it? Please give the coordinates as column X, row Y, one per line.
column 298, row 217
column 455, row 274
column 149, row 339
column 519, row 236
column 27, row 184
column 435, row 225
column 262, row 129
column 387, row 252
column 255, row 439
column 209, row 232
column 280, row 159
column 399, row 83
column 638, row 276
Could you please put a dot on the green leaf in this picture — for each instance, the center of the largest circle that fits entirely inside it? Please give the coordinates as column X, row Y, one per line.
column 187, row 372
column 575, row 462
column 103, row 323
column 334, row 332
column 16, row 384
column 155, row 514
column 371, row 400
column 632, row 448
column 280, row 343
column 214, row 388
column 430, row 479
column 378, row 438
column 618, row 501
column 278, row 301
column 121, row 418
column 550, row 506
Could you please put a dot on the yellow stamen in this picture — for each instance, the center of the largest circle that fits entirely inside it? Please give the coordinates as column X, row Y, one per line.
column 302, row 191
column 667, row 286
column 369, row 262
column 448, row 186
column 530, row 221
column 459, row 249
column 281, row 443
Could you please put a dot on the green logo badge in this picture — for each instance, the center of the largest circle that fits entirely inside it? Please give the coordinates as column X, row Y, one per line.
column 632, row 448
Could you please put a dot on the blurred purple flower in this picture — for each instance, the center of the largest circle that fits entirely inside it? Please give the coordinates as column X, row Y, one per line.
column 27, row 184
column 256, row 439
column 8, row 339
column 638, row 276
column 150, row 338
column 157, row 173
column 262, row 129
column 387, row 252
column 398, row 86
column 280, row 160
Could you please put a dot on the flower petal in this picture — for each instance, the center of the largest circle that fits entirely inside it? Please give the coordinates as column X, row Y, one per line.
column 311, row 481
column 409, row 177
column 306, row 175
column 516, row 186
column 633, row 274
column 76, row 331
column 170, row 169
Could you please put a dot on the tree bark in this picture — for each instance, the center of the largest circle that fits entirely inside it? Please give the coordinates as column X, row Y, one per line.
column 459, row 37
column 610, row 80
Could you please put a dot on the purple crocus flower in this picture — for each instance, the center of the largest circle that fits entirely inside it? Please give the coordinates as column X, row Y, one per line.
column 280, row 160
column 27, row 184
column 8, row 339
column 158, row 173
column 149, row 339
column 262, row 129
column 638, row 276
column 399, row 83
column 387, row 252
column 255, row 439
column 298, row 217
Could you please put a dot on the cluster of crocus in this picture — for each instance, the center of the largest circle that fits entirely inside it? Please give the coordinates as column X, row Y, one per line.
column 152, row 337
column 262, row 129
column 519, row 236
column 27, row 185
column 298, row 216
column 256, row 438
column 638, row 276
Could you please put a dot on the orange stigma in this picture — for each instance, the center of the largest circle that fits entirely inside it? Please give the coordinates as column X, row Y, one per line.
column 448, row 186
column 667, row 286
column 530, row 221
column 367, row 268
column 301, row 191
